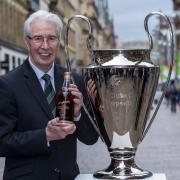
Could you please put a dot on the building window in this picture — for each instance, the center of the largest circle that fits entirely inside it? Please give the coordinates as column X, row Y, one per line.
column 19, row 61
column 13, row 62
column 6, row 57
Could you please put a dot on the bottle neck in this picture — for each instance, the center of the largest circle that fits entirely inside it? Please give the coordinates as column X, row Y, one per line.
column 66, row 82
column 67, row 79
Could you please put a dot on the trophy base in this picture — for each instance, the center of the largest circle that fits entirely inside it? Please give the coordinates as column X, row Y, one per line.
column 122, row 169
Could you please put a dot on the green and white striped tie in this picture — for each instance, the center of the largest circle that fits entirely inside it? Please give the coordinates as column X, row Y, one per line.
column 50, row 93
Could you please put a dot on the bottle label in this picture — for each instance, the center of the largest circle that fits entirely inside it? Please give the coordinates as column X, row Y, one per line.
column 65, row 106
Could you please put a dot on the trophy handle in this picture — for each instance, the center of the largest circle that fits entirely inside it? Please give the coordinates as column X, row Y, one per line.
column 171, row 63
column 89, row 46
column 89, row 39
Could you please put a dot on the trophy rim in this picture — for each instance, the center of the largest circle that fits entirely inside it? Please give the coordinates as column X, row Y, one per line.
column 121, row 50
column 101, row 56
column 92, row 66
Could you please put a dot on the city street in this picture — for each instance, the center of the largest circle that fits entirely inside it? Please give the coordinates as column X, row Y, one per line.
column 158, row 153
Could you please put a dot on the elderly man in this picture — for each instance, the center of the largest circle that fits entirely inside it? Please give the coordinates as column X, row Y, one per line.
column 36, row 145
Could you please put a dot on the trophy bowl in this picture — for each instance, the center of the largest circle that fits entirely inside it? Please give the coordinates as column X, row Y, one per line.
column 125, row 93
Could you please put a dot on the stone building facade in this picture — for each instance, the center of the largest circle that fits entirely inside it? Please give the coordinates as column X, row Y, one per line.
column 176, row 4
column 12, row 48
column 13, row 14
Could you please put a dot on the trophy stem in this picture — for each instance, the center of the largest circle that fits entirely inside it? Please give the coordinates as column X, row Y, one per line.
column 122, row 166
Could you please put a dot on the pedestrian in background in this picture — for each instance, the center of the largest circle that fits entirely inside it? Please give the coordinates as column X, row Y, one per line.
column 36, row 145
column 178, row 91
column 173, row 96
column 167, row 96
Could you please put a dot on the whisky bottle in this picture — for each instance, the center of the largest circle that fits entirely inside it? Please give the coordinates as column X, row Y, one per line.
column 64, row 100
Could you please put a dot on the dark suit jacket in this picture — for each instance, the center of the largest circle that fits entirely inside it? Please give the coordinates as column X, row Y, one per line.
column 24, row 114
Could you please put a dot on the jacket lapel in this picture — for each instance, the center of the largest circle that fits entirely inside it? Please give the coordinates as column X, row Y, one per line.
column 36, row 89
column 58, row 77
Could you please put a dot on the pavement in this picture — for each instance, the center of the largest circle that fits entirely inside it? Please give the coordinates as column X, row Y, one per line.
column 159, row 152
column 1, row 167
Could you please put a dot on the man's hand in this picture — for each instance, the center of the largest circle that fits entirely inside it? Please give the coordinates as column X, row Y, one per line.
column 78, row 99
column 92, row 91
column 91, row 87
column 56, row 129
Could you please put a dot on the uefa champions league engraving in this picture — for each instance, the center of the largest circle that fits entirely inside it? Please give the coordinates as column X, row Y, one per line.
column 126, row 82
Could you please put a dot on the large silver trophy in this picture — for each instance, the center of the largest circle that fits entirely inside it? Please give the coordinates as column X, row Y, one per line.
column 126, row 82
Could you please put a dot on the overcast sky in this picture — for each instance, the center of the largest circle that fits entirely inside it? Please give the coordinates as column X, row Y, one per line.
column 129, row 16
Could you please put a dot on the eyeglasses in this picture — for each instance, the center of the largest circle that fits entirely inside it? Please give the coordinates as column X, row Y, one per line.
column 40, row 39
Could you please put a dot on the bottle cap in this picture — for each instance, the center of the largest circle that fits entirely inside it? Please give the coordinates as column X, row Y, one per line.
column 67, row 75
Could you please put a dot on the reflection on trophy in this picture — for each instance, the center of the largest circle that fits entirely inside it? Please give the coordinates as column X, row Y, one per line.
column 126, row 93
column 126, row 82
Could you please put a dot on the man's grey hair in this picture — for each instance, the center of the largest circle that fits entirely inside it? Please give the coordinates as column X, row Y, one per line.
column 42, row 15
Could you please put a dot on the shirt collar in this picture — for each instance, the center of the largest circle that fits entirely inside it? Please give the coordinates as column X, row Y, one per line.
column 39, row 72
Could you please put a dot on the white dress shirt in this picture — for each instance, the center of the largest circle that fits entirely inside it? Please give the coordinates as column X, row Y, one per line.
column 39, row 73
